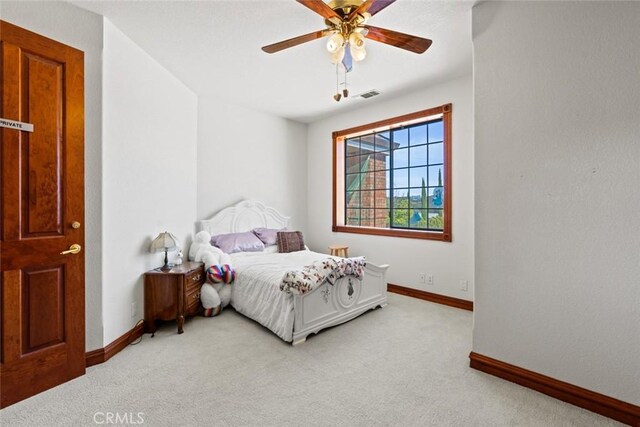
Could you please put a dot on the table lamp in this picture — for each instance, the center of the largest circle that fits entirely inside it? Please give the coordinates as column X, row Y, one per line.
column 165, row 242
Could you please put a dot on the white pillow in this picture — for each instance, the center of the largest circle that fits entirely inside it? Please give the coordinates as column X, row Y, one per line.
column 273, row 249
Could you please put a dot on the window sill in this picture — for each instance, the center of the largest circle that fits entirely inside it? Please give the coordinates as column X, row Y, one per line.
column 390, row 232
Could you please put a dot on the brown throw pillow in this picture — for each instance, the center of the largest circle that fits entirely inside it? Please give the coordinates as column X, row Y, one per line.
column 290, row 241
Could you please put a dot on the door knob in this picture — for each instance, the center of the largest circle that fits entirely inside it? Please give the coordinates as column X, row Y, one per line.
column 73, row 249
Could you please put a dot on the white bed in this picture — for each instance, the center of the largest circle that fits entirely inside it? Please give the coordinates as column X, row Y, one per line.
column 256, row 291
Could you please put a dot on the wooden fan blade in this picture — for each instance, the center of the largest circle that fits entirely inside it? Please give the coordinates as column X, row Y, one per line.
column 276, row 47
column 321, row 8
column 403, row 41
column 371, row 6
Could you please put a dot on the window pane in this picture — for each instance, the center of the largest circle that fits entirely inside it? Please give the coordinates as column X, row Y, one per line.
column 400, row 178
column 436, row 220
column 382, row 141
column 352, row 182
column 400, row 199
column 382, row 199
column 367, row 199
column 382, row 218
column 353, row 199
column 368, row 179
column 367, row 218
column 381, row 180
column 366, row 143
column 353, row 216
column 379, row 161
column 353, row 146
column 418, row 156
column 418, row 177
column 401, row 218
column 435, row 176
column 418, row 135
column 401, row 158
column 435, row 131
column 418, row 218
column 357, row 164
column 400, row 138
column 436, row 154
column 436, row 197
column 415, row 198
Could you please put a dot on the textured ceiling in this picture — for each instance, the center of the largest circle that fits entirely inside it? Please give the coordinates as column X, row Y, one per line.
column 214, row 48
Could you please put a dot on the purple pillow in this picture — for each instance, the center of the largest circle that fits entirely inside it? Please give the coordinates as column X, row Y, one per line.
column 237, row 242
column 267, row 235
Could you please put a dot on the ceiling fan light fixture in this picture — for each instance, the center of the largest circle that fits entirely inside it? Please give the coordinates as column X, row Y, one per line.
column 335, row 43
column 356, row 45
column 356, row 40
column 358, row 54
column 346, row 25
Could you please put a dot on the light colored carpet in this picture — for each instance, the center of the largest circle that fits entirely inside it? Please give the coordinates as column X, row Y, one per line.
column 405, row 364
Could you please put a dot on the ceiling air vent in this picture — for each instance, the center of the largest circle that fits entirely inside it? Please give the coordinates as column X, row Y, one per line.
column 370, row 94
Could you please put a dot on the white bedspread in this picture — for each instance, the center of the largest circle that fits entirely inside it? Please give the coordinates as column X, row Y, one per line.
column 256, row 290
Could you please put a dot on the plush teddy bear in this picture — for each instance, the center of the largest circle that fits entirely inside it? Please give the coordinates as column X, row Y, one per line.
column 218, row 276
column 202, row 245
column 215, row 294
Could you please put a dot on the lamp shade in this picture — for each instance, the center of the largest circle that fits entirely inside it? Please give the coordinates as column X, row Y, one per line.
column 164, row 242
column 335, row 42
column 356, row 40
column 358, row 54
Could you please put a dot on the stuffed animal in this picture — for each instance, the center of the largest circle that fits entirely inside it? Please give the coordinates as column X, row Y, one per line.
column 210, row 300
column 201, row 245
column 216, row 293
column 221, row 284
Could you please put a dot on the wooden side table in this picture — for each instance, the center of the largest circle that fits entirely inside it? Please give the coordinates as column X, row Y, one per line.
column 172, row 294
column 339, row 250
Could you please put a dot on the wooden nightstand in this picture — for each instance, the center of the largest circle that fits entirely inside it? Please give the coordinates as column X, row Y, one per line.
column 172, row 294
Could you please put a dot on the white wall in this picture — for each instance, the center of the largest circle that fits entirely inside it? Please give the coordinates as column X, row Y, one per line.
column 83, row 30
column 557, row 128
column 149, row 167
column 447, row 262
column 247, row 154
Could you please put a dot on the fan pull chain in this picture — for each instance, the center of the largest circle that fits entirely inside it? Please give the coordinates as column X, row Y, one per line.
column 337, row 96
column 345, row 91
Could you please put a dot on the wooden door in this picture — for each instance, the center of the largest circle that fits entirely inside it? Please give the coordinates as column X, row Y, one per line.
column 42, row 183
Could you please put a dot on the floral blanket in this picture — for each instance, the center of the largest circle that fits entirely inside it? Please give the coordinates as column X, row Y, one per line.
column 330, row 269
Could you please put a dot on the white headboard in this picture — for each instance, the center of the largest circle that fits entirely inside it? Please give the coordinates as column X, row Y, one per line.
column 244, row 216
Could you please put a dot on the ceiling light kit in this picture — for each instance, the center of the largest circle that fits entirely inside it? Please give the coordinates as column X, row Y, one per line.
column 346, row 22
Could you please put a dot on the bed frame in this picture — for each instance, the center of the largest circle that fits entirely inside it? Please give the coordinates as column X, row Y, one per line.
column 326, row 305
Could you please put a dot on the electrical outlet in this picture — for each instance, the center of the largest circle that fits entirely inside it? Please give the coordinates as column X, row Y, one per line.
column 430, row 279
column 133, row 309
column 464, row 285
column 422, row 277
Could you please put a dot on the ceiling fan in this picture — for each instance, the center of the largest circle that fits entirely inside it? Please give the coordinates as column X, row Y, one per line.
column 346, row 22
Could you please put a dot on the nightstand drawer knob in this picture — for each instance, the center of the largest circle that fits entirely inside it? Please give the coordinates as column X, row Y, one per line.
column 196, row 295
column 196, row 278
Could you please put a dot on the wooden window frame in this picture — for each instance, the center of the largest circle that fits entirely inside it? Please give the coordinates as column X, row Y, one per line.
column 445, row 234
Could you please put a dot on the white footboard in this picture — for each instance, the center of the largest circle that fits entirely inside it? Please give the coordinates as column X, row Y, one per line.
column 330, row 305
